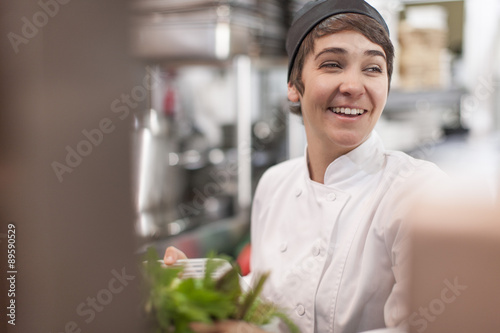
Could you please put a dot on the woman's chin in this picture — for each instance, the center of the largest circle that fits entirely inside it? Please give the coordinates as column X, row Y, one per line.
column 348, row 140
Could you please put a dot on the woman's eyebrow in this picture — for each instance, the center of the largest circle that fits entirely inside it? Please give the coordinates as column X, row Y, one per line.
column 339, row 50
column 335, row 50
column 374, row 53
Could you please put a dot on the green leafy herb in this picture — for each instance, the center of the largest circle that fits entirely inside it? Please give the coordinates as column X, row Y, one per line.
column 173, row 303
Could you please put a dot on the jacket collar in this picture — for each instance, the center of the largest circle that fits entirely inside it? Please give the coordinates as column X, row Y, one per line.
column 367, row 158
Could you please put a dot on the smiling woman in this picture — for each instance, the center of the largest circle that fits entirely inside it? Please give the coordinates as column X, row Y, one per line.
column 330, row 226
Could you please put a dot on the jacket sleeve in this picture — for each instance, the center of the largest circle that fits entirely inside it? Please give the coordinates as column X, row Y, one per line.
column 401, row 198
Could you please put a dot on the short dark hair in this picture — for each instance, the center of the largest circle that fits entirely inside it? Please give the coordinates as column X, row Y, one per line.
column 363, row 24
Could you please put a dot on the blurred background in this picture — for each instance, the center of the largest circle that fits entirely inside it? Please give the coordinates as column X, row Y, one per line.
column 130, row 124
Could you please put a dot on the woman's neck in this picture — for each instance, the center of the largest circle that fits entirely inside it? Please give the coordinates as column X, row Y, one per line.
column 318, row 161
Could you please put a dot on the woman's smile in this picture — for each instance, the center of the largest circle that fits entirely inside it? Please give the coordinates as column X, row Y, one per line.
column 348, row 111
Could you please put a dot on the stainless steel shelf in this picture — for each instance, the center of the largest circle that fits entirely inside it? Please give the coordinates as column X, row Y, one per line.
column 408, row 100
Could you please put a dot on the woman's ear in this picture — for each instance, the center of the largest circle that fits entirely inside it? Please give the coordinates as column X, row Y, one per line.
column 293, row 94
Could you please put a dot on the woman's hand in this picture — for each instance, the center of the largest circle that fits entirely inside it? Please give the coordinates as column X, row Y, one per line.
column 227, row 326
column 172, row 254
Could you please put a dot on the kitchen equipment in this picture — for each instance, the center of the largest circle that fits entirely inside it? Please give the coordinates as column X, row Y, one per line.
column 159, row 178
column 207, row 55
column 194, row 30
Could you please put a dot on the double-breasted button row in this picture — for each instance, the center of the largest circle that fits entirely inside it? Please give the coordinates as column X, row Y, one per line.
column 329, row 197
column 316, row 250
column 283, row 247
column 300, row 310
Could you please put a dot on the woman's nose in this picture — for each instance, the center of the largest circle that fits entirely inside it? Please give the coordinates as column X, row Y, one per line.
column 352, row 84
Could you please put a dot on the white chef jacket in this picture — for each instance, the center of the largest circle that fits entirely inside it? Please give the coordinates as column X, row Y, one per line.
column 335, row 250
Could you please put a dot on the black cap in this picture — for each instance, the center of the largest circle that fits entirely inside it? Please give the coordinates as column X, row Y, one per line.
column 314, row 12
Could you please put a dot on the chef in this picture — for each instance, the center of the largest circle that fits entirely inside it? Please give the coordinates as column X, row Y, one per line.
column 330, row 226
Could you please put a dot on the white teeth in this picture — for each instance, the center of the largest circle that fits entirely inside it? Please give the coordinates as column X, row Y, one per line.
column 348, row 110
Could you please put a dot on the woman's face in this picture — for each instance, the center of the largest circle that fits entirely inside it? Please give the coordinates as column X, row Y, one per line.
column 346, row 87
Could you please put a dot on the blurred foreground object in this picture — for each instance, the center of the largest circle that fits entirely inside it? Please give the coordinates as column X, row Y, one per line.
column 455, row 268
column 65, row 166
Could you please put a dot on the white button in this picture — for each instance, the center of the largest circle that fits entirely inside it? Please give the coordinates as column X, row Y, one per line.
column 298, row 192
column 300, row 310
column 316, row 251
column 331, row 197
column 283, row 247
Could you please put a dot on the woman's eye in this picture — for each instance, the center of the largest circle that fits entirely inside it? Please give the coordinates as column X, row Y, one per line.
column 374, row 69
column 330, row 65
